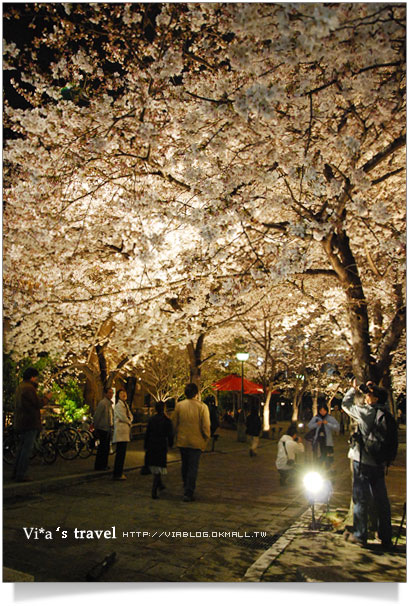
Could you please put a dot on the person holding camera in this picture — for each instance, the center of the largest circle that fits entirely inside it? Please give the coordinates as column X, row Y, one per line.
column 290, row 447
column 324, row 425
column 368, row 474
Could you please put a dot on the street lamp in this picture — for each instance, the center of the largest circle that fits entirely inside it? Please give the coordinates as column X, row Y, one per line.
column 242, row 357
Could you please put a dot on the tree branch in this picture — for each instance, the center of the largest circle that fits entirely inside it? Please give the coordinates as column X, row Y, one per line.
column 383, row 154
column 387, row 176
column 391, row 338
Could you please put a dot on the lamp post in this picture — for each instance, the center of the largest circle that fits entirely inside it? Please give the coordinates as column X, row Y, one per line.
column 242, row 357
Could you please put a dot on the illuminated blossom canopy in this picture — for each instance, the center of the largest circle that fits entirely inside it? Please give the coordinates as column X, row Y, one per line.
column 172, row 165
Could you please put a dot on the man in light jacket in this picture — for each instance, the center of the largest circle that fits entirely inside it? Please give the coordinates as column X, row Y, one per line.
column 103, row 427
column 191, row 421
column 368, row 475
column 290, row 447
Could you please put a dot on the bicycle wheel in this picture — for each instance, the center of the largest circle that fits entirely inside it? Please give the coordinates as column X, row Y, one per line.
column 9, row 449
column 47, row 451
column 68, row 444
column 87, row 443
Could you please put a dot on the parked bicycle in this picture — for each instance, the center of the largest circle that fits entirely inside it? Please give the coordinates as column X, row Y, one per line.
column 88, row 443
column 43, row 447
column 10, row 444
column 67, row 441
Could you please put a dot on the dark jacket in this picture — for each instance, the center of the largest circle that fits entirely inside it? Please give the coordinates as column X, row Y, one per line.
column 159, row 435
column 253, row 425
column 27, row 408
column 214, row 418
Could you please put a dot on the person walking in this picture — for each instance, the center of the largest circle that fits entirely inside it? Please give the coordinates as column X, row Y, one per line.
column 159, row 436
column 27, row 421
column 191, row 421
column 324, row 424
column 103, row 421
column 368, row 475
column 253, row 430
column 290, row 448
column 214, row 416
column 122, row 427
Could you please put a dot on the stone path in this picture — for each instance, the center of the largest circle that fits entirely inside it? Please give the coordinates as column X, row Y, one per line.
column 241, row 528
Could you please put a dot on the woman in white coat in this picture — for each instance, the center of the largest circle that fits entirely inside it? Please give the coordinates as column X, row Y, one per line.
column 122, row 426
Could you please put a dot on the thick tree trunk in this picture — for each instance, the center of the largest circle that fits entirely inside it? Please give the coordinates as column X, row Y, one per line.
column 131, row 383
column 113, row 373
column 93, row 390
column 102, row 363
column 298, row 394
column 194, row 356
column 337, row 247
column 315, row 401
column 387, row 384
column 365, row 367
column 266, row 410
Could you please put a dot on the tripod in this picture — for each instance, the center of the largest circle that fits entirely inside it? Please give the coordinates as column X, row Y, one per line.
column 402, row 522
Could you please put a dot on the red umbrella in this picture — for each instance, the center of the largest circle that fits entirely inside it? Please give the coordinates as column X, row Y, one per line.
column 233, row 383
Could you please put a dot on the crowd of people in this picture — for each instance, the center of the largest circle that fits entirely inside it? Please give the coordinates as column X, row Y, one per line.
column 194, row 422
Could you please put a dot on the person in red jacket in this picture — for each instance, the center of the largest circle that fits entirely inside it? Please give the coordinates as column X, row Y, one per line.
column 27, row 421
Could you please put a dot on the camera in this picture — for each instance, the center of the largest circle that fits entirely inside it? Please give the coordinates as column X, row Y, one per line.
column 364, row 388
column 356, row 438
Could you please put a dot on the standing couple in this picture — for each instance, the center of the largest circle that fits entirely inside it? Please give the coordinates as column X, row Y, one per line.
column 112, row 424
column 190, row 426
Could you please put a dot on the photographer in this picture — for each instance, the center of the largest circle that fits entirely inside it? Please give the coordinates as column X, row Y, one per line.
column 290, row 446
column 368, row 475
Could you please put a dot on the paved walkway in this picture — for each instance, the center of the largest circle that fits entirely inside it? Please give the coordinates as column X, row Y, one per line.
column 243, row 527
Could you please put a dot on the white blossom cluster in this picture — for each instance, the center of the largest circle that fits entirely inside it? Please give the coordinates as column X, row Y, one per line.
column 219, row 158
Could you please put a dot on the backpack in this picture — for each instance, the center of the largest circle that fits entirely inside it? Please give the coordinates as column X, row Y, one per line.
column 381, row 443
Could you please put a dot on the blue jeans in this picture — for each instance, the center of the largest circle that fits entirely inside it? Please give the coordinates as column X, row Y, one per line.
column 190, row 459
column 24, row 450
column 369, row 483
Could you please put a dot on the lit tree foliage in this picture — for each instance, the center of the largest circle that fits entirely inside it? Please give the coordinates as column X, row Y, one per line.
column 171, row 160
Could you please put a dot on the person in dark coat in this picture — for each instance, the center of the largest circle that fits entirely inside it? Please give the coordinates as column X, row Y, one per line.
column 214, row 416
column 253, row 429
column 159, row 436
column 27, row 420
column 103, row 421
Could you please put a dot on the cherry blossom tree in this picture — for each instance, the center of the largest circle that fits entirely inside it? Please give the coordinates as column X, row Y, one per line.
column 164, row 374
column 170, row 160
column 290, row 344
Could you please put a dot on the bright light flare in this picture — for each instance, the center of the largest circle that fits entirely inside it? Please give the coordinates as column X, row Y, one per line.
column 313, row 482
column 317, row 488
